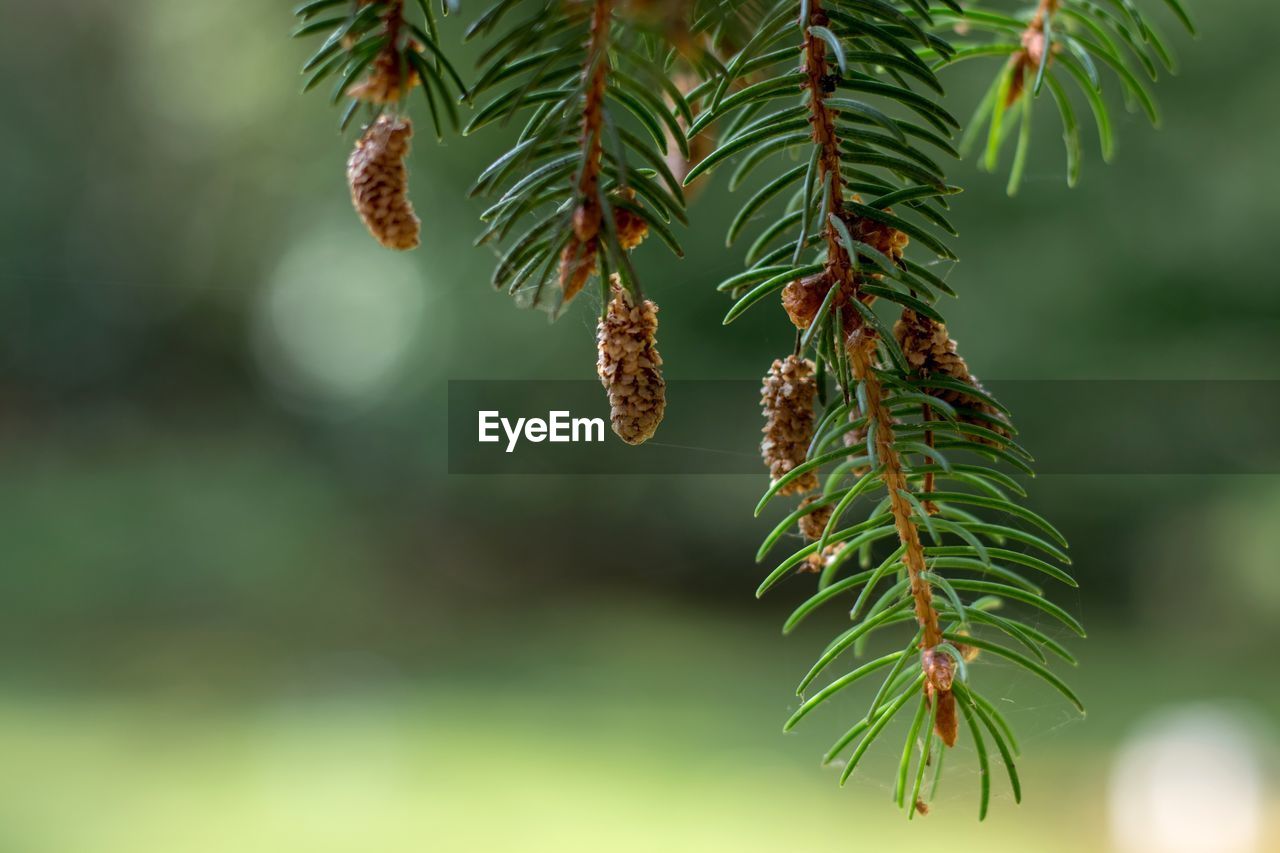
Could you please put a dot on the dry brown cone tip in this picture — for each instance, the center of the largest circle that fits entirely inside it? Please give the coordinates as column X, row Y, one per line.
column 379, row 183
column 818, row 560
column 939, row 671
column 630, row 367
column 389, row 78
column 929, row 349
column 787, row 397
column 885, row 239
column 578, row 260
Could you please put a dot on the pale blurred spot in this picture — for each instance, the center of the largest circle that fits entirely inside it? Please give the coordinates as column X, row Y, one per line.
column 1189, row 781
column 336, row 325
column 1243, row 526
column 205, row 69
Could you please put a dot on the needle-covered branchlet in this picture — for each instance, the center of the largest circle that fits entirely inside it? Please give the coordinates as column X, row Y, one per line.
column 629, row 365
column 578, row 259
column 802, row 298
column 822, row 123
column 787, row 397
column 379, row 183
column 929, row 349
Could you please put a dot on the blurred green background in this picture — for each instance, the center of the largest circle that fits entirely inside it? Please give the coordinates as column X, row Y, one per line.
column 243, row 607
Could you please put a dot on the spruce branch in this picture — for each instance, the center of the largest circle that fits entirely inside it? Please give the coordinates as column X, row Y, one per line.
column 378, row 54
column 909, row 414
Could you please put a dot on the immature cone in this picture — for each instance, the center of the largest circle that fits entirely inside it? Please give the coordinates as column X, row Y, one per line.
column 885, row 239
column 379, row 183
column 787, row 399
column 930, row 349
column 812, row 524
column 630, row 367
column 802, row 298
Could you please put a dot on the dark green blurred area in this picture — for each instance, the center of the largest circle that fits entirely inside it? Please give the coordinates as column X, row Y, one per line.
column 243, row 607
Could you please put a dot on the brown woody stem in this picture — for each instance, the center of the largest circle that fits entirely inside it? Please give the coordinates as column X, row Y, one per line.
column 823, row 121
column 927, row 487
column 861, row 347
column 586, row 223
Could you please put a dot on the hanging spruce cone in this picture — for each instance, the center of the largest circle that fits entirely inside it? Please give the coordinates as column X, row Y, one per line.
column 380, row 183
column 630, row 367
column 930, row 349
column 787, row 399
column 813, row 523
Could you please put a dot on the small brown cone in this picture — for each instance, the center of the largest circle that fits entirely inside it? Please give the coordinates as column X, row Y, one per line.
column 802, row 298
column 630, row 367
column 380, row 183
column 812, row 524
column 930, row 349
column 787, row 400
